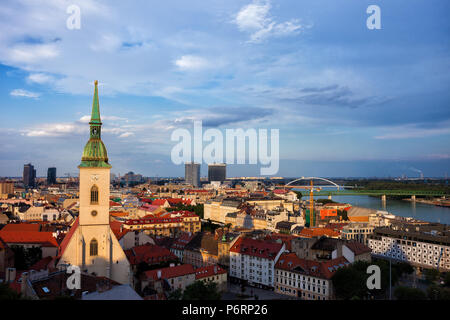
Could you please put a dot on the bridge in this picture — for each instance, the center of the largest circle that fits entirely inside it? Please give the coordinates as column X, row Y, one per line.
column 350, row 191
column 354, row 192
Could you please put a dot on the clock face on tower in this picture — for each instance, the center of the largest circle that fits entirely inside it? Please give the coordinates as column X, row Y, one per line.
column 94, row 131
column 94, row 177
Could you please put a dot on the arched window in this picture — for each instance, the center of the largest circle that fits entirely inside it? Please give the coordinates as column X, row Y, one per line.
column 94, row 195
column 93, row 247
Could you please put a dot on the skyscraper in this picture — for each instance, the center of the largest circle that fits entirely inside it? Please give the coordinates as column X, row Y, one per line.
column 217, row 172
column 192, row 173
column 29, row 176
column 51, row 176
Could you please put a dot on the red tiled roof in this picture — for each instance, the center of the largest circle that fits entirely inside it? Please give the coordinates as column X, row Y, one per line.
column 149, row 253
column 45, row 239
column 208, row 271
column 280, row 191
column 65, row 242
column 170, row 272
column 320, row 269
column 153, row 220
column 317, row 232
column 256, row 248
column 21, row 227
column 159, row 202
column 357, row 248
column 41, row 264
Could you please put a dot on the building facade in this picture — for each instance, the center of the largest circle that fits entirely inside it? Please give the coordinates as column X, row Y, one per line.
column 192, row 173
column 29, row 176
column 217, row 172
column 51, row 176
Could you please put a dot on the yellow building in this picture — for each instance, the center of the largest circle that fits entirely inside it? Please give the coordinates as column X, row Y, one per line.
column 90, row 243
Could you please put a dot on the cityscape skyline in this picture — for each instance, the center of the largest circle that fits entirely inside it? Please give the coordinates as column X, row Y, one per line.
column 343, row 108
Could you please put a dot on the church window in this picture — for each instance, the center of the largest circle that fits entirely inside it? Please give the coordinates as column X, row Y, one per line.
column 94, row 195
column 93, row 248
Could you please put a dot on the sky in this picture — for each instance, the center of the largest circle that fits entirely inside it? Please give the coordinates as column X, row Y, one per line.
column 347, row 101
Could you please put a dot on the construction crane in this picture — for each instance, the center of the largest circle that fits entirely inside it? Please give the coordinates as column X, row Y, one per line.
column 311, row 203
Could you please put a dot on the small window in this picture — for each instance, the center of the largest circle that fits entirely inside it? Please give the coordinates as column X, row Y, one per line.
column 94, row 195
column 93, row 248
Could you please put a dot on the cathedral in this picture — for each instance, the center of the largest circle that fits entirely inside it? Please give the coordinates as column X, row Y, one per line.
column 90, row 243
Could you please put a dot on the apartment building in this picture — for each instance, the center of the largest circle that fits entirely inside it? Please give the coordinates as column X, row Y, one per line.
column 423, row 249
column 357, row 232
column 254, row 261
column 306, row 279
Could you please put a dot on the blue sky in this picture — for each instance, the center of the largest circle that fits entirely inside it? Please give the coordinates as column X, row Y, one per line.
column 348, row 101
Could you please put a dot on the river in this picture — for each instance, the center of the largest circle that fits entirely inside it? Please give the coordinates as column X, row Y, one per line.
column 401, row 208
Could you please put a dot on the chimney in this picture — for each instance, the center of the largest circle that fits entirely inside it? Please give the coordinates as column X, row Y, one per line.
column 158, row 273
column 23, row 284
column 10, row 274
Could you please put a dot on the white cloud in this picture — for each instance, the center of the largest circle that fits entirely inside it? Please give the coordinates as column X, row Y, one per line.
column 40, row 78
column 24, row 93
column 54, row 130
column 126, row 134
column 189, row 62
column 87, row 118
column 30, row 53
column 255, row 19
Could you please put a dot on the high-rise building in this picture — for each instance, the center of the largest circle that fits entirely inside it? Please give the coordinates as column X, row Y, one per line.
column 51, row 176
column 192, row 173
column 90, row 244
column 29, row 176
column 6, row 187
column 217, row 172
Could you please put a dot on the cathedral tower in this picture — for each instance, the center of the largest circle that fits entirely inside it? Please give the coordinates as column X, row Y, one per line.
column 91, row 244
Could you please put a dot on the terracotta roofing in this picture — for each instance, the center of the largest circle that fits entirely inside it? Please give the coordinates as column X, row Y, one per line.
column 149, row 253
column 45, row 239
column 208, row 271
column 21, row 227
column 257, row 248
column 181, row 242
column 317, row 232
column 154, row 220
column 170, row 272
column 280, row 191
column 319, row 269
column 65, row 242
column 159, row 202
column 357, row 248
column 42, row 264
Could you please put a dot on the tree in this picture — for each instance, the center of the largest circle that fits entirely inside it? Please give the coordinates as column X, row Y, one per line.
column 435, row 292
column 201, row 290
column 447, row 279
column 431, row 275
column 6, row 293
column 175, row 295
column 406, row 293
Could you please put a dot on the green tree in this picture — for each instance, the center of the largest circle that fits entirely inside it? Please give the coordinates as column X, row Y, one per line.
column 435, row 292
column 201, row 290
column 431, row 275
column 406, row 293
column 175, row 294
column 6, row 293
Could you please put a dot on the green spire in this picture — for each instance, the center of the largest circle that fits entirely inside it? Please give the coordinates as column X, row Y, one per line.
column 94, row 153
column 95, row 116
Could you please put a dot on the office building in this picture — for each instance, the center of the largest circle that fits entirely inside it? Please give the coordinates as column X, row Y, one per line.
column 217, row 172
column 29, row 176
column 51, row 176
column 192, row 173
